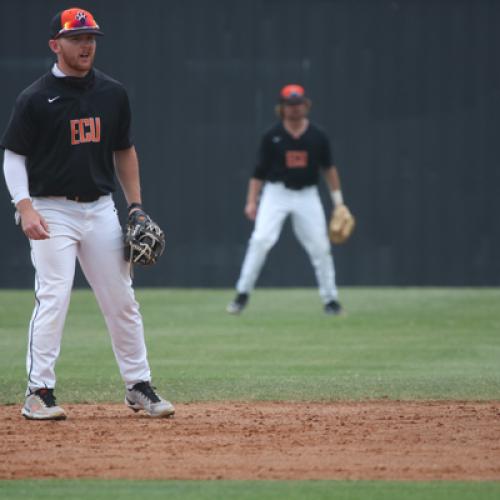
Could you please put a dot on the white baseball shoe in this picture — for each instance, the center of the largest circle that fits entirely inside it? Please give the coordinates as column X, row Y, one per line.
column 41, row 405
column 143, row 397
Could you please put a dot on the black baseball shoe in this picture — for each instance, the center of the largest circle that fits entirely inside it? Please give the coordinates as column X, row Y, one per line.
column 333, row 307
column 238, row 304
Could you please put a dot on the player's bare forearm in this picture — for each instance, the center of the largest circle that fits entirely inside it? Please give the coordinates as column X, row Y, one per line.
column 254, row 188
column 332, row 178
column 127, row 171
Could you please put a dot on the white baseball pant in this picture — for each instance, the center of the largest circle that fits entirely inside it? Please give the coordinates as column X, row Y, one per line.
column 309, row 225
column 90, row 232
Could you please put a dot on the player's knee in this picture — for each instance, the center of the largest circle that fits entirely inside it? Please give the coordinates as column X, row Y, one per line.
column 320, row 251
column 57, row 292
column 262, row 243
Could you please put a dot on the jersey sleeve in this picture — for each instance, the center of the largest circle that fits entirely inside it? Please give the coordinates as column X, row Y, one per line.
column 123, row 137
column 21, row 131
column 326, row 159
column 264, row 159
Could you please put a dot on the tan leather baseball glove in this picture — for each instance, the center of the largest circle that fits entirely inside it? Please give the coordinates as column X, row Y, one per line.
column 342, row 224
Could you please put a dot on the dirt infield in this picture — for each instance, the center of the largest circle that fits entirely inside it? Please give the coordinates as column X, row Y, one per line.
column 263, row 440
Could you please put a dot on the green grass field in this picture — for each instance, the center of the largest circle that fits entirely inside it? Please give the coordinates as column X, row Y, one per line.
column 393, row 343
column 247, row 490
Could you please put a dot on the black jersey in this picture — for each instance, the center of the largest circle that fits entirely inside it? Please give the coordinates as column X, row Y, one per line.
column 68, row 129
column 295, row 162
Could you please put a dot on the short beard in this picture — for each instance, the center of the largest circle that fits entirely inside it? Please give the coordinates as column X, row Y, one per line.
column 74, row 66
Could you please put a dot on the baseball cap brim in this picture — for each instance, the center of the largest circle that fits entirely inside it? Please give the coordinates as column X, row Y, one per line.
column 294, row 100
column 79, row 31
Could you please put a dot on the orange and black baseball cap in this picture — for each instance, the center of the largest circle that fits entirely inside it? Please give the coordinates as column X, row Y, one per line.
column 293, row 94
column 72, row 22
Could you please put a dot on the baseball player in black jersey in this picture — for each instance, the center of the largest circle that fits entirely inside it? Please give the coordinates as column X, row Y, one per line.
column 292, row 154
column 68, row 135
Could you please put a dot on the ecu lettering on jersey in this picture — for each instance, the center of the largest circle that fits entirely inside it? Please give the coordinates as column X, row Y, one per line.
column 85, row 130
column 296, row 159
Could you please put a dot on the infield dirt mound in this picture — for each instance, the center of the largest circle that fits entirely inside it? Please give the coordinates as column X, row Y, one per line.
column 259, row 440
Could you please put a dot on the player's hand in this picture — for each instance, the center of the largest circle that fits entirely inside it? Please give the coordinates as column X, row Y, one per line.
column 33, row 224
column 251, row 210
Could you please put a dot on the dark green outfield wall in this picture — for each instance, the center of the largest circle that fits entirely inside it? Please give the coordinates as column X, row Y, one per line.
column 409, row 92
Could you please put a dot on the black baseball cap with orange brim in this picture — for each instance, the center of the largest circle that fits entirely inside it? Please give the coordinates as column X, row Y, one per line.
column 292, row 94
column 74, row 21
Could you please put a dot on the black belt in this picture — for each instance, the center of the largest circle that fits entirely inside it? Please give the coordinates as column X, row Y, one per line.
column 84, row 198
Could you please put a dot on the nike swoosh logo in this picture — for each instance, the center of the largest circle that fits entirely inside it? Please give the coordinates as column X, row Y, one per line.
column 52, row 99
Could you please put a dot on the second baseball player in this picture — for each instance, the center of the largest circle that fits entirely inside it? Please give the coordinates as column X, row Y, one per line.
column 292, row 154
